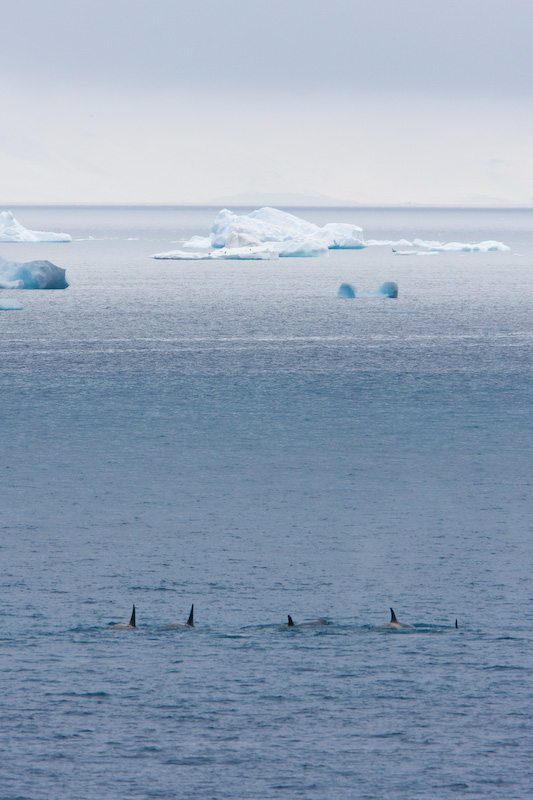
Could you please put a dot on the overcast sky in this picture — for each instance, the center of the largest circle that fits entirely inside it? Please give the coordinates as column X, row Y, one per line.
column 371, row 101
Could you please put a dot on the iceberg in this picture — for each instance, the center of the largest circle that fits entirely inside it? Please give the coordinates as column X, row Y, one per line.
column 13, row 231
column 268, row 233
column 387, row 289
column 285, row 232
column 31, row 275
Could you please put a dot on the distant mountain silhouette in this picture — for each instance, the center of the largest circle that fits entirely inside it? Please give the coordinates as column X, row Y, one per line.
column 286, row 199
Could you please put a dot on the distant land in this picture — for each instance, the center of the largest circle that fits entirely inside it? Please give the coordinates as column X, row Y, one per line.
column 281, row 200
column 260, row 199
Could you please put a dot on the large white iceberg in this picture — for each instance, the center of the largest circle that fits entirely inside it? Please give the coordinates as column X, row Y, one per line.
column 31, row 275
column 268, row 233
column 13, row 231
column 272, row 225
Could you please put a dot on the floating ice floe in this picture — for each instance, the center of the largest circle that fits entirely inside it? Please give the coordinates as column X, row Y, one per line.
column 349, row 292
column 13, row 231
column 414, row 252
column 261, row 252
column 457, row 247
column 10, row 305
column 257, row 253
column 437, row 247
column 31, row 275
column 267, row 233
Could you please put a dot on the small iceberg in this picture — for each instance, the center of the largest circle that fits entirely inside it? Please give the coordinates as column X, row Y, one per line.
column 31, row 275
column 348, row 292
column 13, row 231
column 10, row 305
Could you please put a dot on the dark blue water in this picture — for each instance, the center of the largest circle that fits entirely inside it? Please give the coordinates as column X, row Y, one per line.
column 231, row 434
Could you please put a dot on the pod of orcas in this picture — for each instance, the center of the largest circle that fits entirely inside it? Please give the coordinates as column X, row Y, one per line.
column 120, row 626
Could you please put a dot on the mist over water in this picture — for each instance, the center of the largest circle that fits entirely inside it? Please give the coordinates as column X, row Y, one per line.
column 234, row 435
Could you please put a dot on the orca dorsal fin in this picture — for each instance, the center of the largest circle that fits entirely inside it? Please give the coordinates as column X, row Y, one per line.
column 393, row 616
column 456, row 624
column 291, row 622
column 132, row 619
column 190, row 621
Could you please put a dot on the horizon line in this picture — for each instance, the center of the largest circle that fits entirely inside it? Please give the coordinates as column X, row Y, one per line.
column 356, row 206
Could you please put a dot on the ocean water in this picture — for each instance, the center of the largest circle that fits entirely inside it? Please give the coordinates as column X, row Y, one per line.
column 232, row 435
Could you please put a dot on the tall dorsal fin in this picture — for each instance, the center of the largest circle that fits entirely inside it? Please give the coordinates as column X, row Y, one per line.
column 132, row 619
column 291, row 622
column 393, row 616
column 456, row 624
column 190, row 621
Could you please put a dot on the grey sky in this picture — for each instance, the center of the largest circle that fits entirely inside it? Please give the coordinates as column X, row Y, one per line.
column 171, row 101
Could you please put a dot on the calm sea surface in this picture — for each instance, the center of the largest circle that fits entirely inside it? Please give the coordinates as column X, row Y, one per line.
column 231, row 434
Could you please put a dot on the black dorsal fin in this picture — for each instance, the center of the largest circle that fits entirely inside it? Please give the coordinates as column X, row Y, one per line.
column 393, row 616
column 456, row 624
column 291, row 622
column 132, row 619
column 190, row 621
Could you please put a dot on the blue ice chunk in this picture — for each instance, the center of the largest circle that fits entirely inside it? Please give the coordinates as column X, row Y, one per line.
column 387, row 289
column 347, row 291
column 31, row 275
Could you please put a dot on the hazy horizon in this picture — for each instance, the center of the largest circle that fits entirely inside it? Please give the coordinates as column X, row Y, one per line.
column 172, row 104
column 214, row 205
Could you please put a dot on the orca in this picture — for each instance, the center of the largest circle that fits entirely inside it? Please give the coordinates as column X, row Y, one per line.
column 188, row 624
column 313, row 624
column 120, row 626
column 456, row 624
column 394, row 622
